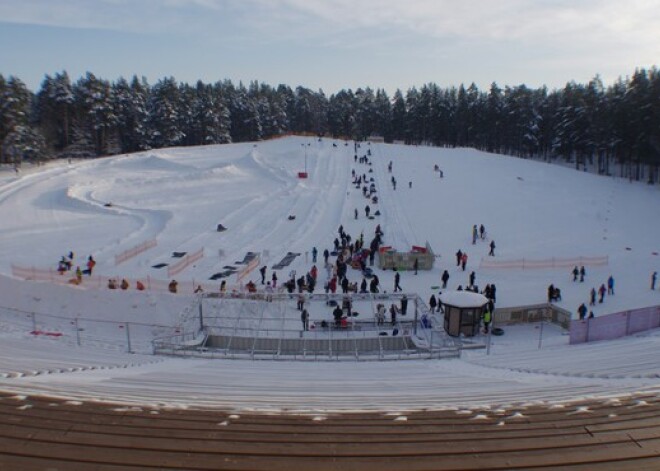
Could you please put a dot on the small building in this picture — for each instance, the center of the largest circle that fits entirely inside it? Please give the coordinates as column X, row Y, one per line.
column 463, row 312
column 375, row 138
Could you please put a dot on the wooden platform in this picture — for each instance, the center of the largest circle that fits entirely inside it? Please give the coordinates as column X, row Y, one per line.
column 40, row 433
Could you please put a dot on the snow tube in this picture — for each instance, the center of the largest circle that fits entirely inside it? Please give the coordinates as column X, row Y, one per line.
column 497, row 331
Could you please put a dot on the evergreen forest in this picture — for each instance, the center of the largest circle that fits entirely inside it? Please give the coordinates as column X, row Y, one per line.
column 615, row 129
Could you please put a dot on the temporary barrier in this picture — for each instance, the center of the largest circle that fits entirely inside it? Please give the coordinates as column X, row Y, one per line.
column 530, row 264
column 389, row 259
column 614, row 326
column 184, row 263
column 134, row 251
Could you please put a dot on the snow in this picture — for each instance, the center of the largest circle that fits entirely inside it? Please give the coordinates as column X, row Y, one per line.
column 178, row 196
column 463, row 299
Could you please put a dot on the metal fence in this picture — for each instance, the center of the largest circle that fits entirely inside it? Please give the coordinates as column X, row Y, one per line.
column 614, row 326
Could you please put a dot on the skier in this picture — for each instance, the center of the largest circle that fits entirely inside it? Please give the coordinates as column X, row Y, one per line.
column 397, row 279
column 492, row 248
column 262, row 270
column 610, row 286
column 445, row 279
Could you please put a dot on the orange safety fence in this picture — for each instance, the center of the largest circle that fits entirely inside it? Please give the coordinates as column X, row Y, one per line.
column 134, row 251
column 185, row 262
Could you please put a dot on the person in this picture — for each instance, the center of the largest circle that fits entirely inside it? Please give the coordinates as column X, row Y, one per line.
column 610, row 286
column 487, row 318
column 262, row 270
column 582, row 311
column 575, row 272
column 474, row 234
column 591, row 314
column 124, row 284
column 445, row 279
column 199, row 289
column 464, row 260
column 363, row 285
column 551, row 293
column 482, row 231
column 601, row 291
column 582, row 273
column 416, row 265
column 274, row 279
column 432, row 303
column 472, row 278
column 112, row 284
column 366, row 210
column 78, row 275
column 337, row 313
column 139, row 285
column 223, row 286
column 404, row 305
column 393, row 310
column 314, row 254
column 269, row 292
column 356, row 213
column 172, row 287
column 592, row 297
column 304, row 317
column 326, row 255
column 301, row 302
column 409, row 184
column 492, row 248
column 397, row 279
column 654, row 278
column 91, row 263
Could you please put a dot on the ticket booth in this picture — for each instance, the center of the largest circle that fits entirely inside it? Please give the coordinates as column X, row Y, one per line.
column 463, row 312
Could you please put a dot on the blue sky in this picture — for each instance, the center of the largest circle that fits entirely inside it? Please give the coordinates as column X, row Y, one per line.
column 332, row 44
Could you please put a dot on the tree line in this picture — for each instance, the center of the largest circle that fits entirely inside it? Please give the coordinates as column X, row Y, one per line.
column 585, row 124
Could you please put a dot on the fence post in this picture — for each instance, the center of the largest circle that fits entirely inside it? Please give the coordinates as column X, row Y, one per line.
column 128, row 336
column 77, row 333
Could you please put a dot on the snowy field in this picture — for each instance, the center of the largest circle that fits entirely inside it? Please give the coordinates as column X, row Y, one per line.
column 533, row 211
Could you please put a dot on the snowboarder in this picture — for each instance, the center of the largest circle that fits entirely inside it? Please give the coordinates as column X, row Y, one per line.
column 583, row 272
column 582, row 311
column 610, row 286
column 397, row 279
column 262, row 270
column 492, row 248
column 445, row 279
